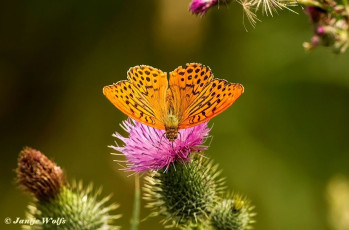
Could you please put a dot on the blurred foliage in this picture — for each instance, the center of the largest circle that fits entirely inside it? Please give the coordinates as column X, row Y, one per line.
column 279, row 144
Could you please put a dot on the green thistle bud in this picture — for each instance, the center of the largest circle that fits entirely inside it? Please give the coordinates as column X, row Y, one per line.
column 75, row 207
column 185, row 194
column 234, row 213
column 58, row 205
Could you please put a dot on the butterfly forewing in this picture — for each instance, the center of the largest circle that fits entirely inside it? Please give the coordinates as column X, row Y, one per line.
column 134, row 103
column 151, row 82
column 187, row 83
column 216, row 97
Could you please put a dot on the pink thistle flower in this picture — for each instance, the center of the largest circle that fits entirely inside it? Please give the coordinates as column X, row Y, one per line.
column 147, row 148
column 201, row 6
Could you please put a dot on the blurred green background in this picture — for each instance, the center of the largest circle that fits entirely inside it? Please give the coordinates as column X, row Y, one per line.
column 280, row 144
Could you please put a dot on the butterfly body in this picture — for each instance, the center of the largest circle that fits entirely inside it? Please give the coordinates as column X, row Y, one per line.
column 171, row 123
column 190, row 97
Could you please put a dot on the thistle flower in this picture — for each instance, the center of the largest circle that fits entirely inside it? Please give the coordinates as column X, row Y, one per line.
column 184, row 195
column 58, row 205
column 201, row 6
column 147, row 148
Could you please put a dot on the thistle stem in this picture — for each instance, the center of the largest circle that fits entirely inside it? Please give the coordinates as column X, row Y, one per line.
column 312, row 3
column 136, row 205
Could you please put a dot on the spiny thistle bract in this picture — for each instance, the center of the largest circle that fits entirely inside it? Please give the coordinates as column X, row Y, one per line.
column 185, row 194
column 232, row 213
column 76, row 207
column 58, row 205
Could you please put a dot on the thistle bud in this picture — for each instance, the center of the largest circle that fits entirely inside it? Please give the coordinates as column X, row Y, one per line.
column 234, row 213
column 185, row 194
column 76, row 207
column 38, row 175
column 58, row 205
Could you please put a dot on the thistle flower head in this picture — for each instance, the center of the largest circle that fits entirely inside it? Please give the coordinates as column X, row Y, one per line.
column 38, row 175
column 147, row 148
column 201, row 6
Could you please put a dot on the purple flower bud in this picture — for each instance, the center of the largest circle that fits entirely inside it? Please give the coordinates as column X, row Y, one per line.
column 201, row 6
column 147, row 148
column 320, row 30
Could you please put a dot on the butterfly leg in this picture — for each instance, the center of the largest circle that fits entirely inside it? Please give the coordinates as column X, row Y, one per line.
column 180, row 137
column 159, row 144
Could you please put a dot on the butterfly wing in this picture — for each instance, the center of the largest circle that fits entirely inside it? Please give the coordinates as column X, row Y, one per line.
column 216, row 97
column 186, row 84
column 142, row 97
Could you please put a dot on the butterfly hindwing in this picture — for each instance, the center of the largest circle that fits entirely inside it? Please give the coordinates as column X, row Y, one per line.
column 127, row 98
column 152, row 84
column 216, row 97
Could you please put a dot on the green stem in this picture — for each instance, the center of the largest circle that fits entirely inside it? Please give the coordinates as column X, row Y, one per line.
column 312, row 3
column 136, row 205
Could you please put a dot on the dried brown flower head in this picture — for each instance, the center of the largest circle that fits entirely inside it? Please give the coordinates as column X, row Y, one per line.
column 38, row 175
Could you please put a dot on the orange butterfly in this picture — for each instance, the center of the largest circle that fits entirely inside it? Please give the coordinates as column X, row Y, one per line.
column 191, row 97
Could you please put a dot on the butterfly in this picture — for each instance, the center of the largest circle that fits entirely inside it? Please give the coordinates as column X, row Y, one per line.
column 190, row 97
